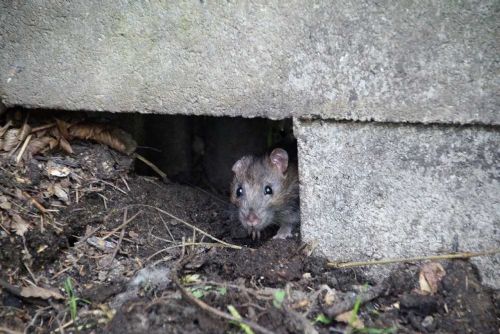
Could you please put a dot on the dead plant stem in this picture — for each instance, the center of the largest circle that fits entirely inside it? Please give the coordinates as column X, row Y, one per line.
column 188, row 224
column 125, row 223
column 152, row 166
column 464, row 255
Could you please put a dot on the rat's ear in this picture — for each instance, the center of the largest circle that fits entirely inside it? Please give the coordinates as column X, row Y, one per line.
column 279, row 159
column 241, row 165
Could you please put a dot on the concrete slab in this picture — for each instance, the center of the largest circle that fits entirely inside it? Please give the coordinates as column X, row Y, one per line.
column 417, row 61
column 373, row 191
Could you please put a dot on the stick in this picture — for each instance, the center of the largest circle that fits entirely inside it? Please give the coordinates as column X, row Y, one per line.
column 188, row 224
column 152, row 166
column 43, row 127
column 184, row 244
column 34, row 202
column 109, row 184
column 8, row 331
column 464, row 255
column 118, row 245
column 23, row 148
column 125, row 223
column 212, row 310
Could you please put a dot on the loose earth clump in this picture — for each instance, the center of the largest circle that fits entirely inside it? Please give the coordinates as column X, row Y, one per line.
column 143, row 255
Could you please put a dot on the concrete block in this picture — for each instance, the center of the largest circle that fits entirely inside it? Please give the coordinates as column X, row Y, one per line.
column 372, row 191
column 417, row 61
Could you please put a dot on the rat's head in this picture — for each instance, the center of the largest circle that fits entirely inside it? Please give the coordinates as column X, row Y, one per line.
column 257, row 188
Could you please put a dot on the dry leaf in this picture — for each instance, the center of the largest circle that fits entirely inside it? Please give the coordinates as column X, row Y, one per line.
column 19, row 194
column 10, row 139
column 57, row 170
column 53, row 143
column 38, row 292
column 300, row 304
column 5, row 205
column 40, row 144
column 346, row 318
column 19, row 225
column 113, row 137
column 61, row 193
column 41, row 248
column 330, row 297
column 65, row 145
column 4, row 128
column 23, row 180
column 430, row 275
column 63, row 127
column 100, row 243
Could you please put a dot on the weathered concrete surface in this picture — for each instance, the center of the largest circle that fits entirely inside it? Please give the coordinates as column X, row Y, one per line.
column 372, row 191
column 416, row 61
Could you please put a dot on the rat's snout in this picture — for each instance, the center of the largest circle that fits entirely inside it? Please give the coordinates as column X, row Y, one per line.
column 252, row 219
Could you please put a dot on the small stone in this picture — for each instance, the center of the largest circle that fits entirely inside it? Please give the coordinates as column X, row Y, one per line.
column 428, row 321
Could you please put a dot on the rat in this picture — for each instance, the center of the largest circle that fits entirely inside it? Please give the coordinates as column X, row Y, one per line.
column 266, row 191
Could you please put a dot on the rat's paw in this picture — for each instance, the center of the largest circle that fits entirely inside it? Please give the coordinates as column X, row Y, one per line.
column 284, row 232
column 282, row 236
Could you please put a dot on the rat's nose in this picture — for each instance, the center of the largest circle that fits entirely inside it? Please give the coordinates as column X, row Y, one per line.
column 252, row 219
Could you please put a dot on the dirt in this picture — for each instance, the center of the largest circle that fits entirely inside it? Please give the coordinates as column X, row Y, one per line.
column 129, row 285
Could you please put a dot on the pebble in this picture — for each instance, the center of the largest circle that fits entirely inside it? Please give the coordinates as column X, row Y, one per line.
column 428, row 321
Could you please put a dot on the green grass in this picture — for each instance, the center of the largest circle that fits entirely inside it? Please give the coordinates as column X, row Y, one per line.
column 72, row 300
column 244, row 327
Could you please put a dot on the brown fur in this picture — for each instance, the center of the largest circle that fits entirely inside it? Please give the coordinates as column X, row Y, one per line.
column 253, row 175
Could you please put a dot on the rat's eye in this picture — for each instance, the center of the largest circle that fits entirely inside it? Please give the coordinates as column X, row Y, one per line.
column 268, row 190
column 239, row 192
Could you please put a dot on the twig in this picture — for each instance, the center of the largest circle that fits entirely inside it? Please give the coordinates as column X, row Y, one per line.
column 43, row 127
column 34, row 202
column 125, row 182
column 23, row 148
column 351, row 299
column 152, row 166
column 63, row 326
column 166, row 227
column 125, row 223
column 212, row 310
column 104, row 200
column 184, row 244
column 465, row 255
column 29, row 269
column 4, row 128
column 3, row 228
column 21, row 139
column 188, row 224
column 262, row 294
column 61, row 272
column 110, row 184
column 8, row 331
column 91, row 233
column 115, row 251
column 38, row 313
column 161, row 239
